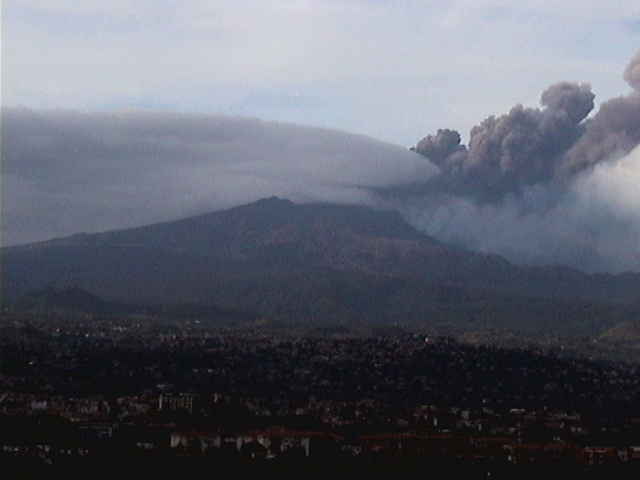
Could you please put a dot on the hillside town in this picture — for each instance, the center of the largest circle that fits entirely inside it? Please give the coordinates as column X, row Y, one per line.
column 85, row 391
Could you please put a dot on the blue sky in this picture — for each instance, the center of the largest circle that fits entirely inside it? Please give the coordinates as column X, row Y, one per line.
column 394, row 70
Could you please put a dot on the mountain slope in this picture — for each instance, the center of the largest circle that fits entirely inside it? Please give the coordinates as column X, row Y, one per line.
column 310, row 263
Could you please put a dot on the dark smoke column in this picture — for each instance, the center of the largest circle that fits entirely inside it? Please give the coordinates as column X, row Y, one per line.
column 512, row 151
column 442, row 147
column 613, row 132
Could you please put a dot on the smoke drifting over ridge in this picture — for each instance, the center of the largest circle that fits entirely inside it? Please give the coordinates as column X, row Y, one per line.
column 541, row 185
column 67, row 172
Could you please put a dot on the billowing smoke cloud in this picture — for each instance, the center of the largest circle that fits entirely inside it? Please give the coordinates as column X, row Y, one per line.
column 541, row 185
column 513, row 151
column 594, row 224
column 612, row 132
column 66, row 172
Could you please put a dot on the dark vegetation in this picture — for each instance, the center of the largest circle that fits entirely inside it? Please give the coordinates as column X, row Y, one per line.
column 401, row 369
column 325, row 382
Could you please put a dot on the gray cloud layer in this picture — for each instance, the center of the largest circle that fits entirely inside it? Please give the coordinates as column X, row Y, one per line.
column 65, row 172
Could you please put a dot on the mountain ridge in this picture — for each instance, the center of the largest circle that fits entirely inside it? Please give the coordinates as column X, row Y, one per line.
column 305, row 263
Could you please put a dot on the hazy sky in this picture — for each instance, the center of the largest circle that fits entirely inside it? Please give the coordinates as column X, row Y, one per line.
column 395, row 70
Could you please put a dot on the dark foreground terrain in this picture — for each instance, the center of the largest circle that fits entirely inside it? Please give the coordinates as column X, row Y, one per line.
column 85, row 395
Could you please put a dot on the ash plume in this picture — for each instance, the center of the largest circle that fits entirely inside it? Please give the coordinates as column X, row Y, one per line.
column 613, row 132
column 546, row 185
column 512, row 151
